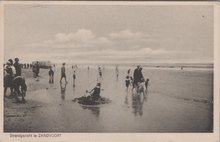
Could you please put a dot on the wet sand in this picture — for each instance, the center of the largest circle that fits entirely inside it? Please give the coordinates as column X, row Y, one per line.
column 177, row 101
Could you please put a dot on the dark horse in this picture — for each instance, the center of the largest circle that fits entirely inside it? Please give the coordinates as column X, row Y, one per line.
column 19, row 87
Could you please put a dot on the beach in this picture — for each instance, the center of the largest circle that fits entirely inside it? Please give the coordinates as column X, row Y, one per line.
column 177, row 101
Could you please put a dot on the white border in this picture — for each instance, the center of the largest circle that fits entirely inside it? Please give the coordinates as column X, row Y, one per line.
column 130, row 137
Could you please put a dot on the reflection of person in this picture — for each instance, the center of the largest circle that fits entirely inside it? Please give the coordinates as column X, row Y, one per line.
column 138, row 76
column 63, row 73
column 63, row 90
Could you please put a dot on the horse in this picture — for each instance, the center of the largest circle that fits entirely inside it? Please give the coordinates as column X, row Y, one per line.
column 20, row 87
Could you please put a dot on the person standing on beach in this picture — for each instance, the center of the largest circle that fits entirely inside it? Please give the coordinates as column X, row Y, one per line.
column 17, row 67
column 51, row 75
column 74, row 78
column 63, row 73
column 100, row 72
column 37, row 69
column 116, row 69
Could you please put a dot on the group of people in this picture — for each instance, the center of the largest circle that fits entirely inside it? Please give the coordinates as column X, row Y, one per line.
column 13, row 79
column 136, row 79
column 26, row 65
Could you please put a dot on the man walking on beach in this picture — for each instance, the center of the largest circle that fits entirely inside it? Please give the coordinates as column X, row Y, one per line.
column 63, row 73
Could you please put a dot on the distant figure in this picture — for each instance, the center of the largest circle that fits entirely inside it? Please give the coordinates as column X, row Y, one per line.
column 51, row 75
column 181, row 68
column 138, row 76
column 74, row 78
column 88, row 68
column 31, row 65
column 63, row 73
column 127, row 82
column 27, row 65
column 37, row 69
column 100, row 71
column 34, row 70
column 17, row 67
column 116, row 70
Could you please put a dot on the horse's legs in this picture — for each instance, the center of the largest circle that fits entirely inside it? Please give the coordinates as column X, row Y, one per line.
column 5, row 91
column 11, row 88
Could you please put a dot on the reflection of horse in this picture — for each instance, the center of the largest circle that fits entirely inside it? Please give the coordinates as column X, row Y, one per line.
column 140, row 88
column 139, row 95
column 137, row 104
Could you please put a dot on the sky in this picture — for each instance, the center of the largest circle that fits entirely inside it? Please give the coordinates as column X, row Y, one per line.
column 109, row 33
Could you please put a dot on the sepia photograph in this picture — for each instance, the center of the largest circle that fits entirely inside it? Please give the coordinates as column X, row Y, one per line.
column 108, row 68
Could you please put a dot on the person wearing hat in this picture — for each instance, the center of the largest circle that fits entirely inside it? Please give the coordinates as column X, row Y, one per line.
column 63, row 73
column 138, row 76
column 17, row 67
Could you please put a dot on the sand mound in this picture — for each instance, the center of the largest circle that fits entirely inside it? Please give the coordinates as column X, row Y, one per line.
column 91, row 101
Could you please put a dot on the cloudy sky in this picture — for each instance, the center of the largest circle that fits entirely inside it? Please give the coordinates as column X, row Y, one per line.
column 109, row 33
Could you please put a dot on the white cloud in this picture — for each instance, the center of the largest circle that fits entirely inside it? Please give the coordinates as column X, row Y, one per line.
column 85, row 44
column 82, row 35
column 127, row 34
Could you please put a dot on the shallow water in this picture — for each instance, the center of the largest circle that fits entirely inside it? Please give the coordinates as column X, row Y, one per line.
column 177, row 101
